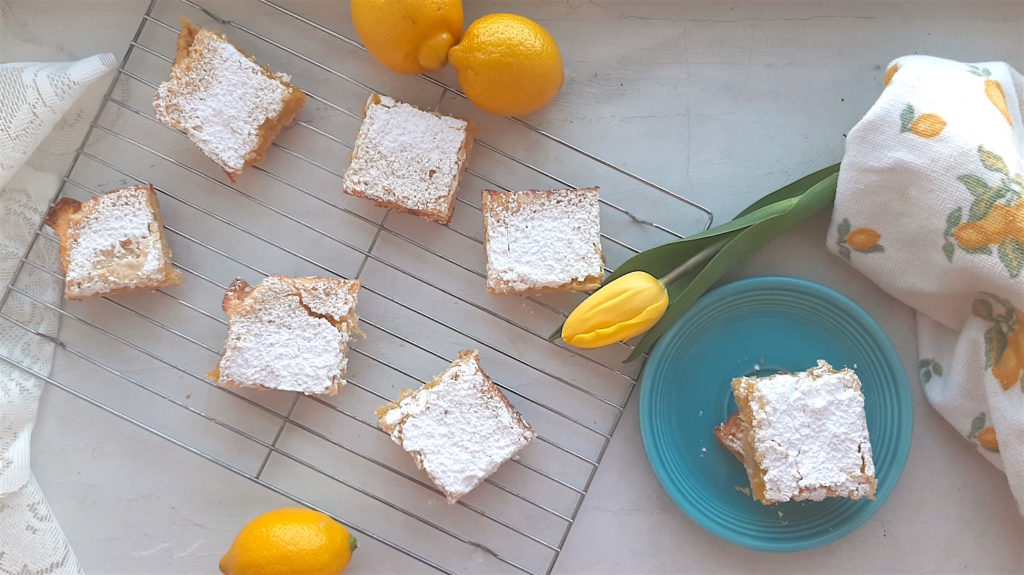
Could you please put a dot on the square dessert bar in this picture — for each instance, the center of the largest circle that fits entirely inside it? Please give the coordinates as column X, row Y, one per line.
column 113, row 243
column 226, row 103
column 542, row 241
column 408, row 159
column 803, row 435
column 290, row 334
column 458, row 427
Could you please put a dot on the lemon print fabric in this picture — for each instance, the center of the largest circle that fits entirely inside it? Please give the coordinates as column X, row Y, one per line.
column 993, row 224
column 984, row 435
column 408, row 36
column 508, row 64
column 987, row 439
column 889, row 74
column 290, row 541
column 924, row 125
column 993, row 91
column 929, row 368
column 933, row 174
column 1004, row 339
column 865, row 240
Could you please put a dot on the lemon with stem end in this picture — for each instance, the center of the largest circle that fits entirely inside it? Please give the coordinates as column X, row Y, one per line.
column 508, row 64
column 408, row 36
column 290, row 541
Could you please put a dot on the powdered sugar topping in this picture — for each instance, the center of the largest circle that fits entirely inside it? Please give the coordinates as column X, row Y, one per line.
column 118, row 228
column 327, row 298
column 542, row 239
column 290, row 336
column 460, row 430
column 220, row 99
column 407, row 156
column 811, row 434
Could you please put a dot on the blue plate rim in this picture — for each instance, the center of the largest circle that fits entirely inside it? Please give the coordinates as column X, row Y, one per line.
column 820, row 291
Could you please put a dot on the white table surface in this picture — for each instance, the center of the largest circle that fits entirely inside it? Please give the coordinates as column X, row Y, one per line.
column 720, row 101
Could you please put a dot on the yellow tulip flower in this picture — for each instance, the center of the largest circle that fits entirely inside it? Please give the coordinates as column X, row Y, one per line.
column 626, row 307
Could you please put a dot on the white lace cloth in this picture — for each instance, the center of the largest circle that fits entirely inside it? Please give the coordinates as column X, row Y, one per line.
column 42, row 119
column 930, row 206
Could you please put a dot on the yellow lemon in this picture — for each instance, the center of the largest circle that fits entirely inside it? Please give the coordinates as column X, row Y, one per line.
column 508, row 64
column 289, row 541
column 409, row 36
column 927, row 125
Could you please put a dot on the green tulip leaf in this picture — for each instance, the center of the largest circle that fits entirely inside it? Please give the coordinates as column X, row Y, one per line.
column 793, row 190
column 739, row 248
column 661, row 260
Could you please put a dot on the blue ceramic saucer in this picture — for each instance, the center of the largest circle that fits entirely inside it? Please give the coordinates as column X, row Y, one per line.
column 762, row 325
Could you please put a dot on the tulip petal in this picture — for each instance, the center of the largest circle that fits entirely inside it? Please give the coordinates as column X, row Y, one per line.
column 619, row 332
column 627, row 310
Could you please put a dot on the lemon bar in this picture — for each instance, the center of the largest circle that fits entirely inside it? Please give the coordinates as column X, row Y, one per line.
column 290, row 334
column 804, row 435
column 113, row 243
column 226, row 103
column 458, row 427
column 408, row 159
column 542, row 241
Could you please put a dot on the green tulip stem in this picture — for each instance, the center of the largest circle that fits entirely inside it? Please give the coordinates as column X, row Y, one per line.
column 706, row 256
column 697, row 259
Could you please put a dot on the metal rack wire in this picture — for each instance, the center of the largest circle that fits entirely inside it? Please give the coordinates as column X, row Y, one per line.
column 422, row 300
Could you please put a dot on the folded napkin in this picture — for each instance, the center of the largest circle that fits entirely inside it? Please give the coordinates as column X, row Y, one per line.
column 36, row 96
column 42, row 119
column 929, row 206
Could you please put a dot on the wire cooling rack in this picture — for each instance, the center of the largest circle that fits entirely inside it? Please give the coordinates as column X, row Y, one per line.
column 143, row 357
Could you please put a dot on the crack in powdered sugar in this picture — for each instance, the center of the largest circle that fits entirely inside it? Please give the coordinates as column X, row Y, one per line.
column 811, row 435
column 289, row 336
column 220, row 100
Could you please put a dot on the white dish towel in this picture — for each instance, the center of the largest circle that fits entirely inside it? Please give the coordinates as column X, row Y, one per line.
column 930, row 206
column 40, row 124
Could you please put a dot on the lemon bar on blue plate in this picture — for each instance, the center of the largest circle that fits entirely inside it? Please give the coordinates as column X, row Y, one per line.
column 802, row 436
